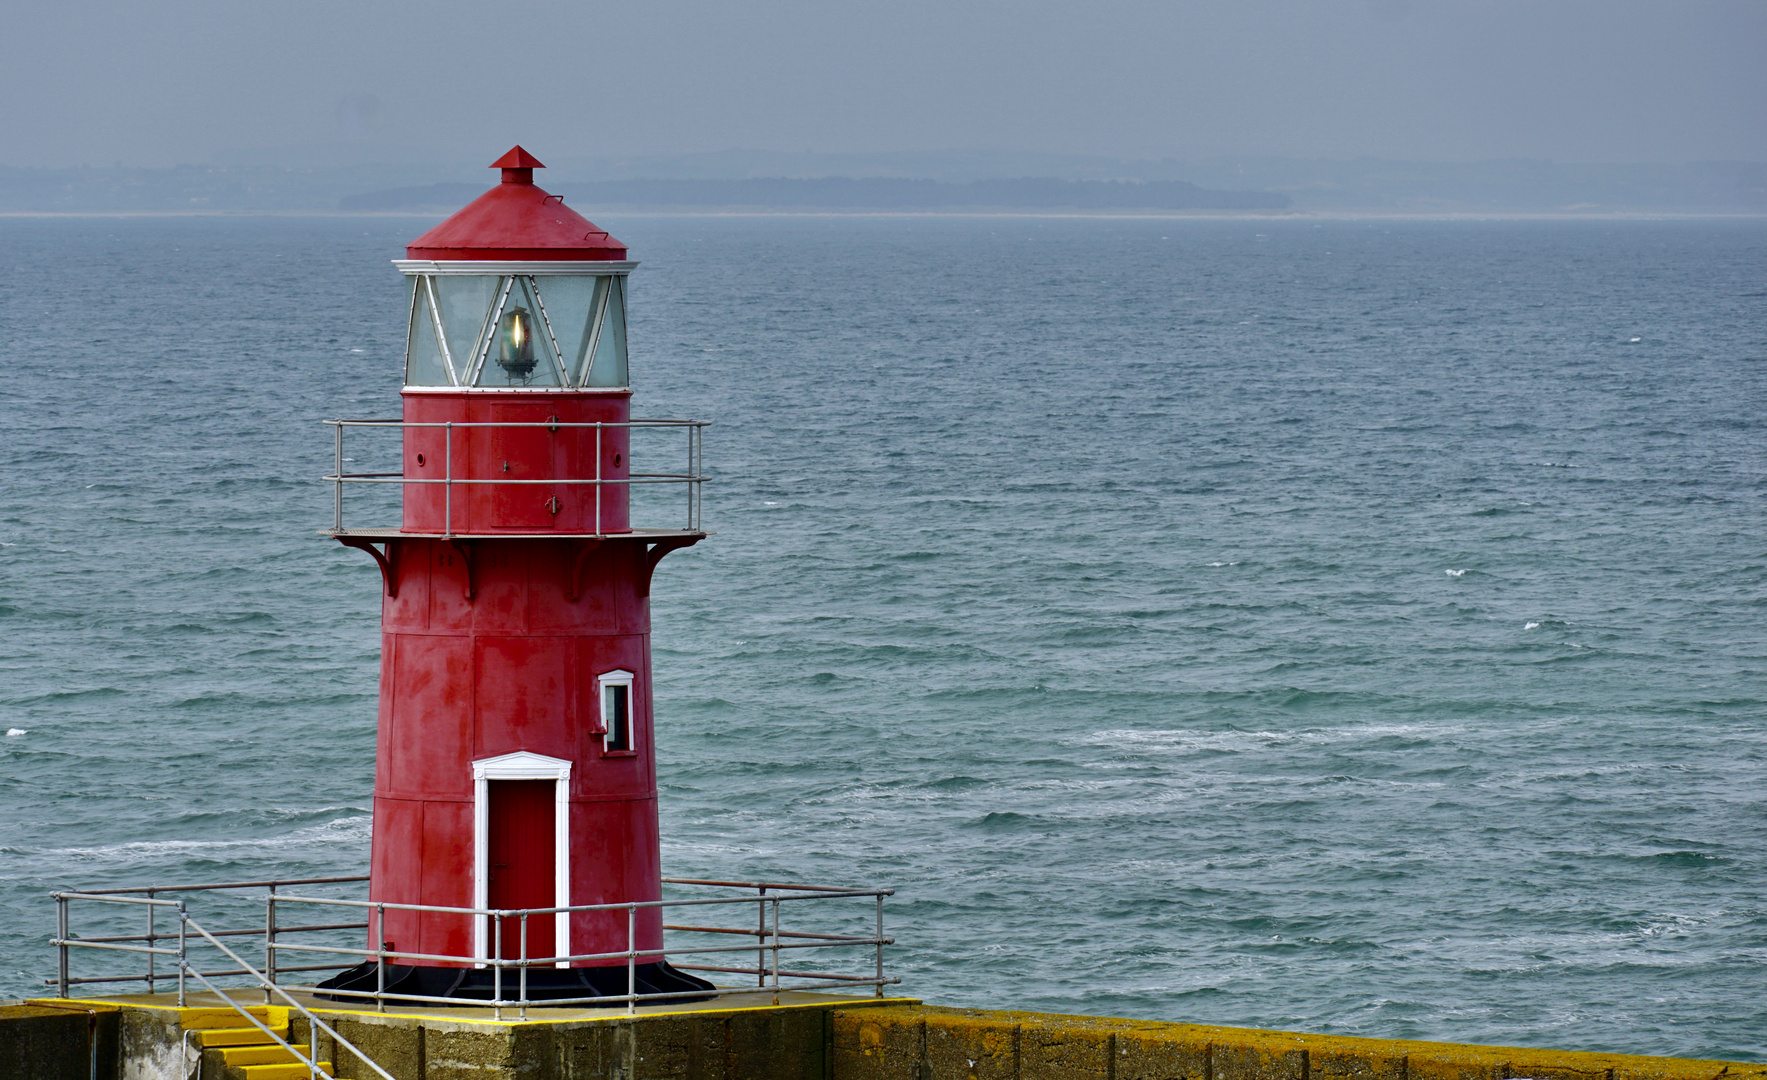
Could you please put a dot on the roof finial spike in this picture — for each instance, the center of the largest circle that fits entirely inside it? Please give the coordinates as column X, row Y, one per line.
column 518, row 166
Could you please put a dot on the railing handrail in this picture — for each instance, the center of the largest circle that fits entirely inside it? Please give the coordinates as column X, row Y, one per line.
column 772, row 885
column 512, row 913
column 633, row 478
column 275, row 883
column 548, row 424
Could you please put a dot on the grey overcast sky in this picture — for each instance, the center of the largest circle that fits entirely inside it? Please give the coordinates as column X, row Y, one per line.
column 190, row 81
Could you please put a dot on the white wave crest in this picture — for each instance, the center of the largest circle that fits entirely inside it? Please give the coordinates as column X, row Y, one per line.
column 1186, row 741
column 351, row 830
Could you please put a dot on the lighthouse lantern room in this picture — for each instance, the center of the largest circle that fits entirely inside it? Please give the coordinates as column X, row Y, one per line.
column 515, row 764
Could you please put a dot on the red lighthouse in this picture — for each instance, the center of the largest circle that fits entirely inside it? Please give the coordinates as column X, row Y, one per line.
column 515, row 764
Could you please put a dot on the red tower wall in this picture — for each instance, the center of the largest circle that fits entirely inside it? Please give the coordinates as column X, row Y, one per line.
column 484, row 653
column 524, row 454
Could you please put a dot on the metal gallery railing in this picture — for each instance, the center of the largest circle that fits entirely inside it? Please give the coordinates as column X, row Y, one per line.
column 691, row 477
column 767, row 940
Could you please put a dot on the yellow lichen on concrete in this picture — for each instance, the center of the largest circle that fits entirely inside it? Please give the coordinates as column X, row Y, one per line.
column 926, row 1043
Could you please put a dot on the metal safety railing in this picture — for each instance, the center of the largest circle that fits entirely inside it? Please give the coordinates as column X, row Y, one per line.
column 149, row 899
column 692, row 476
column 770, row 943
column 152, row 901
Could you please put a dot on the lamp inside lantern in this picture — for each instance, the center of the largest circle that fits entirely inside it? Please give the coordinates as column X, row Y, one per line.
column 515, row 352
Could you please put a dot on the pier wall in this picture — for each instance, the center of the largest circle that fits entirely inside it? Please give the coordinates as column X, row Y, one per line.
column 783, row 1043
column 59, row 1042
column 929, row 1043
column 838, row 1040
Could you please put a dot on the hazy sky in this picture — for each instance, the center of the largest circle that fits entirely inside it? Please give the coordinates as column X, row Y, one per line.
column 97, row 81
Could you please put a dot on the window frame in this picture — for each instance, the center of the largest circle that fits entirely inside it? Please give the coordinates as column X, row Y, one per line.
column 604, row 682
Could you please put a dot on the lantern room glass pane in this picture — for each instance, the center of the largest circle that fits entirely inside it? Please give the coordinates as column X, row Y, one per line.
column 521, row 350
column 465, row 300
column 609, row 368
column 570, row 301
column 423, row 356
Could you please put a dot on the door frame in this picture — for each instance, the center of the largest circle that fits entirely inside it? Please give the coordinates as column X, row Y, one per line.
column 521, row 765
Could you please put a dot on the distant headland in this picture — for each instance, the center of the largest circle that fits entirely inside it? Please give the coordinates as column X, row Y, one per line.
column 947, row 182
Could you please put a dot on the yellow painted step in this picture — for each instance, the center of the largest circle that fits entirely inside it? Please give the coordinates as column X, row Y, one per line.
column 268, row 1054
column 240, row 1036
column 292, row 1071
column 205, row 1018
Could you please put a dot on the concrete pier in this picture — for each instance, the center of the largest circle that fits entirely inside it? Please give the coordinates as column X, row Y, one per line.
column 749, row 1037
column 926, row 1043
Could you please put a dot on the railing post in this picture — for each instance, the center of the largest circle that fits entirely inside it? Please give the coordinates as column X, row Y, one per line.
column 880, row 944
column 150, row 940
column 313, row 1049
column 761, row 939
column 380, row 957
column 183, row 949
column 522, row 972
column 337, row 470
column 776, row 950
column 598, row 483
column 270, row 941
column 61, row 927
column 448, row 480
column 496, row 966
column 631, row 959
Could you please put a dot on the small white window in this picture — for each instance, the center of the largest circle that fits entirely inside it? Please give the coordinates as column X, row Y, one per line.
column 615, row 691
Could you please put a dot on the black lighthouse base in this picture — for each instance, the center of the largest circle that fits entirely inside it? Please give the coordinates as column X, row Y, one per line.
column 544, row 984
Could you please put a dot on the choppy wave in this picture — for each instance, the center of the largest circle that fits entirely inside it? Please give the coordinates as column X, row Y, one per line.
column 351, row 831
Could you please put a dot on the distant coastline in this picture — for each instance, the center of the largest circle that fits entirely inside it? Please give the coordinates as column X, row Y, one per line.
column 615, row 213
column 935, row 184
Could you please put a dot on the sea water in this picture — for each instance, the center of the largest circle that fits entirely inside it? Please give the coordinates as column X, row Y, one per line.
column 1344, row 626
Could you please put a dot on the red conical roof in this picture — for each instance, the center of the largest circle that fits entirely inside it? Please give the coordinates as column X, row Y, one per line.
column 517, row 158
column 517, row 220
